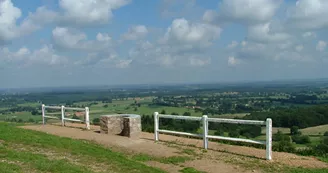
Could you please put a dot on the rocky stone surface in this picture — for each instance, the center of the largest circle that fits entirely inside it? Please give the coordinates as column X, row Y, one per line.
column 124, row 124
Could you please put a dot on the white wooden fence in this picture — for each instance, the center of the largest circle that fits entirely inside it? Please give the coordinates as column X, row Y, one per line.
column 63, row 119
column 206, row 136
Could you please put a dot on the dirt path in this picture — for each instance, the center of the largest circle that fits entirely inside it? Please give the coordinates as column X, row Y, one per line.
column 227, row 158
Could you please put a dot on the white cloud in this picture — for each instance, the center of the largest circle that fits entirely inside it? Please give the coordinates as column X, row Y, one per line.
column 244, row 11
column 263, row 33
column 24, row 57
column 38, row 19
column 232, row 61
column 233, row 44
column 289, row 51
column 136, row 32
column 194, row 61
column 308, row 14
column 123, row 63
column 103, row 37
column 321, row 45
column 309, row 35
column 47, row 55
column 182, row 31
column 74, row 13
column 167, row 55
column 299, row 48
column 87, row 12
column 184, row 44
column 166, row 60
column 8, row 16
column 69, row 38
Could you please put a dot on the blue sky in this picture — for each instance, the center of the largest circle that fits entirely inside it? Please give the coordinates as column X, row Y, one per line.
column 92, row 42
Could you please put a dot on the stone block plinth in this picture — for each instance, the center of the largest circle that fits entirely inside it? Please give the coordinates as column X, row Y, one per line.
column 121, row 124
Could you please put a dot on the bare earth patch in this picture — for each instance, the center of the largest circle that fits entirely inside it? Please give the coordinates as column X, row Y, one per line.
column 226, row 158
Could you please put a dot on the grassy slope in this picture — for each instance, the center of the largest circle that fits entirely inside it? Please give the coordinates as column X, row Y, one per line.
column 317, row 130
column 30, row 151
column 22, row 150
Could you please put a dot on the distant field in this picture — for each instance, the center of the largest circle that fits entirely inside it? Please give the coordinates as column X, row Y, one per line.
column 30, row 104
column 317, row 130
column 126, row 107
column 276, row 129
column 238, row 115
column 25, row 116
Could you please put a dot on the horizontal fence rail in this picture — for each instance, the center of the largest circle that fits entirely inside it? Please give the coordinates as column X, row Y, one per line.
column 63, row 119
column 206, row 136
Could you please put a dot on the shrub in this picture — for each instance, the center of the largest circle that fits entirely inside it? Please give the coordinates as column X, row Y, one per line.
column 294, row 130
column 219, row 132
column 326, row 133
column 279, row 136
column 234, row 134
column 284, row 146
column 96, row 121
column 75, row 117
column 301, row 139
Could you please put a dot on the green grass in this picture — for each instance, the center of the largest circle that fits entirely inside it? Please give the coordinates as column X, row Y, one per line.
column 9, row 167
column 167, row 160
column 303, row 170
column 40, row 162
column 84, row 150
column 324, row 159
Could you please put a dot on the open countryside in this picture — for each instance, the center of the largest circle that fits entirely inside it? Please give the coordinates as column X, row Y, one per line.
column 299, row 119
column 163, row 86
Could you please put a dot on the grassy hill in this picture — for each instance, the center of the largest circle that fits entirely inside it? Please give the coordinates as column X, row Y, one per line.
column 24, row 150
column 29, row 151
column 316, row 130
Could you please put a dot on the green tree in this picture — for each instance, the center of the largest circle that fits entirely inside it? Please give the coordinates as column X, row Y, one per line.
column 187, row 114
column 234, row 133
column 31, row 120
column 163, row 112
column 326, row 133
column 294, row 130
column 279, row 136
column 301, row 139
column 34, row 112
column 96, row 121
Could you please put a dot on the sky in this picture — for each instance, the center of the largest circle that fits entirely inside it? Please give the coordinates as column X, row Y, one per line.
column 107, row 42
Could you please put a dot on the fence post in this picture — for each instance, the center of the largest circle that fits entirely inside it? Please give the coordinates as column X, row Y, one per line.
column 87, row 120
column 268, row 139
column 156, row 125
column 205, row 131
column 63, row 115
column 43, row 113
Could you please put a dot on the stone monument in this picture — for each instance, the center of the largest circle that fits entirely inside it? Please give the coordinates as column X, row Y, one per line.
column 121, row 124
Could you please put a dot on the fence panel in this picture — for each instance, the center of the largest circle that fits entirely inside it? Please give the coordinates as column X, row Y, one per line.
column 63, row 118
column 206, row 136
